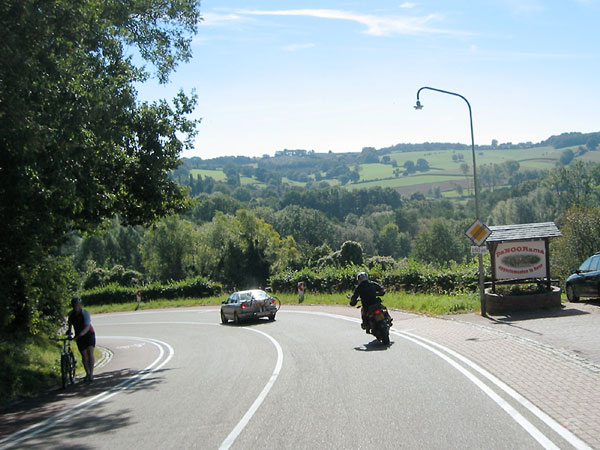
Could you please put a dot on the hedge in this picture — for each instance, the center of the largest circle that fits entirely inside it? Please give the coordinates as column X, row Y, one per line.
column 197, row 287
column 408, row 276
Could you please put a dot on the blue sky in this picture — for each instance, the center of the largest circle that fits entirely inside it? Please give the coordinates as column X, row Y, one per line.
column 343, row 75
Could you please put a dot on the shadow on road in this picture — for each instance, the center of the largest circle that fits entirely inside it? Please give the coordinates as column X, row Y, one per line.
column 251, row 322
column 374, row 346
column 539, row 314
column 25, row 413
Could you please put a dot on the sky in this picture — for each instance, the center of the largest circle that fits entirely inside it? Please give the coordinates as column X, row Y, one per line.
column 343, row 75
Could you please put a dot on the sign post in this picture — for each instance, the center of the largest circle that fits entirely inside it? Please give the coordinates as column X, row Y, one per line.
column 478, row 233
column 301, row 291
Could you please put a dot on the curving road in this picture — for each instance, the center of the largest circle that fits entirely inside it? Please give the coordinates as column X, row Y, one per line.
column 177, row 378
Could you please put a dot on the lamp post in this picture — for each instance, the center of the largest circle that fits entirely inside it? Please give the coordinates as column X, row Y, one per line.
column 419, row 106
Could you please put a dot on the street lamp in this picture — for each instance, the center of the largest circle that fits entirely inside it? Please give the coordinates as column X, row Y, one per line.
column 419, row 106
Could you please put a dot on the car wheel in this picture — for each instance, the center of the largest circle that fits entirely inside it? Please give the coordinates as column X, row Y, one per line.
column 571, row 294
column 224, row 319
column 236, row 319
column 272, row 317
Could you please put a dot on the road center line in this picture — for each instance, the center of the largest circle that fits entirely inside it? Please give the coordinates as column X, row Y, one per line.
column 261, row 397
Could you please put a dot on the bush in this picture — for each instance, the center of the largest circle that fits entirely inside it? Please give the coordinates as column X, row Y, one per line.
column 99, row 277
column 197, row 287
column 409, row 276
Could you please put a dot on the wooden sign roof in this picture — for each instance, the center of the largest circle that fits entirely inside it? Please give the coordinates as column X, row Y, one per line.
column 523, row 232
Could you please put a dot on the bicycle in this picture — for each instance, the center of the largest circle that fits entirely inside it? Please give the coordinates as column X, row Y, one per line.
column 68, row 363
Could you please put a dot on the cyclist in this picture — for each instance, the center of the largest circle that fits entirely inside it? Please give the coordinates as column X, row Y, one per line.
column 85, row 336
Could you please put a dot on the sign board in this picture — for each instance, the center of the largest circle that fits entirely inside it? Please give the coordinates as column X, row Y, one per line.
column 478, row 232
column 477, row 250
column 520, row 260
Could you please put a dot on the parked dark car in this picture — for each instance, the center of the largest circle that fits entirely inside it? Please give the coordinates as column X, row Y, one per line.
column 243, row 305
column 585, row 281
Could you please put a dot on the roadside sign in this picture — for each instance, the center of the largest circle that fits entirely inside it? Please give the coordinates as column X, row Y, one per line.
column 478, row 232
column 477, row 250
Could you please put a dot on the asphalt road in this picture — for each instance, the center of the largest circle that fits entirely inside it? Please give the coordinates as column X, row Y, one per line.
column 311, row 379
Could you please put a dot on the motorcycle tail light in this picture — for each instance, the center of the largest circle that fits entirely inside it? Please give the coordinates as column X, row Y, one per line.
column 377, row 312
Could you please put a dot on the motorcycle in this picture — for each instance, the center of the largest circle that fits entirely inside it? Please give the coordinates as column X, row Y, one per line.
column 378, row 321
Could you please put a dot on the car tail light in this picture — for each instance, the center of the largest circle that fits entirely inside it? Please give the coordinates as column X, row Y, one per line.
column 273, row 301
column 244, row 305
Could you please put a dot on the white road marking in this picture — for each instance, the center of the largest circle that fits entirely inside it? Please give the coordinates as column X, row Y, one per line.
column 562, row 431
column 261, row 397
column 528, row 426
column 229, row 440
column 39, row 427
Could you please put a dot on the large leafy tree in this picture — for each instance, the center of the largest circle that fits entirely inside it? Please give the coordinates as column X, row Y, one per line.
column 242, row 251
column 76, row 145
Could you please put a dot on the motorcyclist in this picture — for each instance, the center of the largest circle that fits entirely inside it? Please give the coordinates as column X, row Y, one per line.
column 368, row 291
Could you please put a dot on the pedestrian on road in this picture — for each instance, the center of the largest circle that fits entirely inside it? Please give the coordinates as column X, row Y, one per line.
column 85, row 336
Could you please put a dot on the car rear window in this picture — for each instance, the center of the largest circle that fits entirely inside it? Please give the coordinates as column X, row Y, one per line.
column 259, row 295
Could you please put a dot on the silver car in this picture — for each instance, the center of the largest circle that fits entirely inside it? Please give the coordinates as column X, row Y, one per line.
column 250, row 304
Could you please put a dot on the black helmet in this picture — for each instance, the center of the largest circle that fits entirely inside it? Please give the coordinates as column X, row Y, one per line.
column 362, row 276
column 75, row 301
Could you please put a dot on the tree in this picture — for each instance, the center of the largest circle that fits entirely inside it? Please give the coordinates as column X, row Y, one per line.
column 309, row 227
column 169, row 250
column 436, row 244
column 241, row 251
column 409, row 166
column 580, row 239
column 566, row 157
column 76, row 146
column 422, row 165
column 391, row 242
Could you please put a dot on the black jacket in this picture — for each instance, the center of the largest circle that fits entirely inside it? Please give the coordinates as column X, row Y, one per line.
column 368, row 291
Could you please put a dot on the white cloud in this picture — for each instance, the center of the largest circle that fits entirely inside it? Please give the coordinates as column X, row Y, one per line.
column 376, row 25
column 216, row 19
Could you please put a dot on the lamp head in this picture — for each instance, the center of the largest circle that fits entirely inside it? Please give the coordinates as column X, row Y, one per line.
column 418, row 105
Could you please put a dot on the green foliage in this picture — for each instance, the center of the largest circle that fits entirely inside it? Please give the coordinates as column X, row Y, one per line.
column 437, row 244
column 409, row 276
column 197, row 287
column 26, row 368
column 580, row 240
column 243, row 250
column 76, row 146
column 169, row 250
column 99, row 277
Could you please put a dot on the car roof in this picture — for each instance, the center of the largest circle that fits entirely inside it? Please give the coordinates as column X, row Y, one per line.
column 249, row 290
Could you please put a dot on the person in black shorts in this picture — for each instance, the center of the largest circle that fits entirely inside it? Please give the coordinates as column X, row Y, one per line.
column 85, row 336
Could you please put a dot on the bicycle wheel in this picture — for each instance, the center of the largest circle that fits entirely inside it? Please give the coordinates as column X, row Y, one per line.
column 73, row 367
column 64, row 369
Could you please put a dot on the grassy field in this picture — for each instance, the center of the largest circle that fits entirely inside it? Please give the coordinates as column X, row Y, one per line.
column 443, row 168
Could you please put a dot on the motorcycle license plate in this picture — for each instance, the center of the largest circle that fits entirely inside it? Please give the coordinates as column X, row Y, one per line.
column 379, row 316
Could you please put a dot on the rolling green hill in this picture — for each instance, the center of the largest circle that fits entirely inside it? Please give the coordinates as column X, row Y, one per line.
column 448, row 167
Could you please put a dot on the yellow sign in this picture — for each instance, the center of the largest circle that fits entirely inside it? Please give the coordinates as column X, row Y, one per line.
column 478, row 232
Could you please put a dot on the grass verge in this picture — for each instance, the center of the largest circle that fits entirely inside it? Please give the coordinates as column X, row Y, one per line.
column 418, row 303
